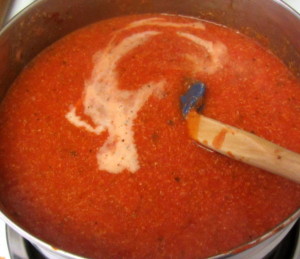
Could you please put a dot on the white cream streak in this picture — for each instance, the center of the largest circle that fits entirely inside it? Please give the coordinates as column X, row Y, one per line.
column 77, row 121
column 115, row 110
column 216, row 50
column 162, row 23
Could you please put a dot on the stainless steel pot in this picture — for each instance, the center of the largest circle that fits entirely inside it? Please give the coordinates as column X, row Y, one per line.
column 271, row 22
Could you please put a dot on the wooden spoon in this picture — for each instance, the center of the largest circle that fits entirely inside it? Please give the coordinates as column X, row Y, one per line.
column 242, row 145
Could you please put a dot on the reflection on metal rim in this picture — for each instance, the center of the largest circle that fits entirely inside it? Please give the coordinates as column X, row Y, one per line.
column 289, row 247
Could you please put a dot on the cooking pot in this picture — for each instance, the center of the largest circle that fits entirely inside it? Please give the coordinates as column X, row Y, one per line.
column 271, row 22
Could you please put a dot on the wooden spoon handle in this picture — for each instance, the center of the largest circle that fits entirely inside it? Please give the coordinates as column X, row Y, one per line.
column 244, row 146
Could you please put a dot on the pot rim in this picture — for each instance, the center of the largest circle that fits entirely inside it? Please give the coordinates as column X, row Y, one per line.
column 36, row 241
column 39, row 242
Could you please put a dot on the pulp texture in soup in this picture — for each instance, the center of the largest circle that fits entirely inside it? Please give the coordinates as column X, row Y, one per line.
column 95, row 155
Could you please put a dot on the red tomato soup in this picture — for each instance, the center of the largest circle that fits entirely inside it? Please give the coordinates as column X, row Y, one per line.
column 95, row 155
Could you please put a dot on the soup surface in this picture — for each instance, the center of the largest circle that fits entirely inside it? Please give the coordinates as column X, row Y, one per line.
column 95, row 155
